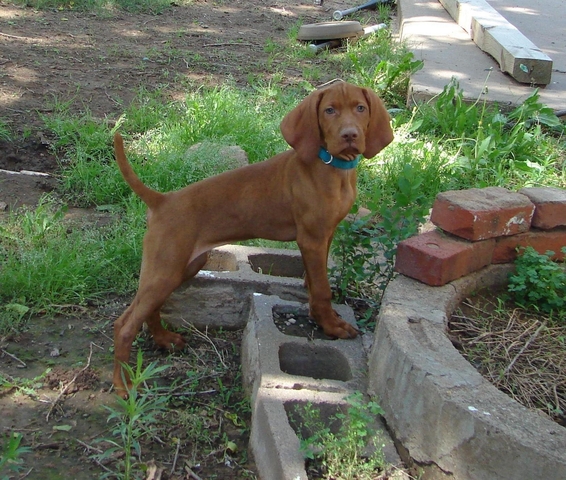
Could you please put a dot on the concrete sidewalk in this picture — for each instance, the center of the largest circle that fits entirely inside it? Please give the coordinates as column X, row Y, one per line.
column 448, row 51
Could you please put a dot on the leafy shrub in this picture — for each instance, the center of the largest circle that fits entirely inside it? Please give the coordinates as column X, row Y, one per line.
column 491, row 147
column 538, row 282
column 351, row 452
column 365, row 248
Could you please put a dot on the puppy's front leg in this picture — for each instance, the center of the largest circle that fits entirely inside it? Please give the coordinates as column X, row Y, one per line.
column 315, row 256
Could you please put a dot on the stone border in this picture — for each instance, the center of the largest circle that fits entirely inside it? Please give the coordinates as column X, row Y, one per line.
column 441, row 410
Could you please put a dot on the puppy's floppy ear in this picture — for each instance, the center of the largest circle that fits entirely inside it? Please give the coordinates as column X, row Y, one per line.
column 300, row 127
column 379, row 133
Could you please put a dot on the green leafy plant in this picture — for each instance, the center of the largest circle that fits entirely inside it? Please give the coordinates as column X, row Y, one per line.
column 390, row 74
column 24, row 386
column 11, row 452
column 350, row 451
column 4, row 131
column 135, row 416
column 490, row 147
column 538, row 282
column 365, row 248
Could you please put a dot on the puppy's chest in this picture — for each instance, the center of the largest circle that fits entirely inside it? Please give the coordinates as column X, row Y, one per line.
column 341, row 199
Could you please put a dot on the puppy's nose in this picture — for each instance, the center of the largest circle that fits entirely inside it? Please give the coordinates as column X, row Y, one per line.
column 349, row 134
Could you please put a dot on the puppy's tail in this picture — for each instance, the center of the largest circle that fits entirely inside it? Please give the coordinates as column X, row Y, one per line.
column 150, row 197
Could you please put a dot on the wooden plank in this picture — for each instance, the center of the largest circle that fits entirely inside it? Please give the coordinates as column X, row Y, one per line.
column 491, row 32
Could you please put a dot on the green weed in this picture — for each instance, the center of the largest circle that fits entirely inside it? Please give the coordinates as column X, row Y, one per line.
column 134, row 418
column 352, row 450
column 365, row 248
column 538, row 282
column 490, row 147
column 24, row 386
column 11, row 452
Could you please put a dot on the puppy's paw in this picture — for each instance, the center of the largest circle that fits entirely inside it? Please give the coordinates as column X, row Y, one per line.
column 336, row 327
column 169, row 340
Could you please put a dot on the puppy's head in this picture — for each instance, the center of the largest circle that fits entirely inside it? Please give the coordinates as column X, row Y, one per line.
column 345, row 119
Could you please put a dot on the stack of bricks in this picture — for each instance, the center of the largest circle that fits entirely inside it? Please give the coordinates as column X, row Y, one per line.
column 478, row 227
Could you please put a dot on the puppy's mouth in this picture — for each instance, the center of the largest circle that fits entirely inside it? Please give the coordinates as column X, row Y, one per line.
column 350, row 152
column 345, row 149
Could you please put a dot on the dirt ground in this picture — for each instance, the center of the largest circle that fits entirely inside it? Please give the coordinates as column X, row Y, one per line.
column 59, row 368
column 98, row 61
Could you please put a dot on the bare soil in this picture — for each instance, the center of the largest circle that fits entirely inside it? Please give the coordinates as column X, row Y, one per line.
column 97, row 62
column 59, row 368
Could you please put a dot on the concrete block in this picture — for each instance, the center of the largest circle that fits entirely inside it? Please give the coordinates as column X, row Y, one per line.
column 219, row 296
column 273, row 442
column 541, row 240
column 550, row 206
column 482, row 213
column 272, row 359
column 436, row 258
column 281, row 371
column 274, row 439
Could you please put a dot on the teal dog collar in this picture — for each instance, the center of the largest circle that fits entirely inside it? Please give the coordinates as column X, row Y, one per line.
column 329, row 159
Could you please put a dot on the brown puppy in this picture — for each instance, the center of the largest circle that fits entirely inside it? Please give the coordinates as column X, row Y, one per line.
column 301, row 194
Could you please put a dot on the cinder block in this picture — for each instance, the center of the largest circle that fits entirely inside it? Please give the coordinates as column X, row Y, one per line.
column 272, row 359
column 550, row 206
column 436, row 258
column 482, row 213
column 541, row 240
column 282, row 371
column 219, row 296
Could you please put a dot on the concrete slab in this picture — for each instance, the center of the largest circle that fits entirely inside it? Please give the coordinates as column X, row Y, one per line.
column 448, row 51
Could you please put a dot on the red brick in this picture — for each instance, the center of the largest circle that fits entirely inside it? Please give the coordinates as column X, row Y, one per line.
column 436, row 258
column 482, row 213
column 541, row 240
column 550, row 206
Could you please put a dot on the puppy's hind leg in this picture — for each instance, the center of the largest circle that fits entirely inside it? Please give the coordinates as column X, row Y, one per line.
column 156, row 284
column 161, row 336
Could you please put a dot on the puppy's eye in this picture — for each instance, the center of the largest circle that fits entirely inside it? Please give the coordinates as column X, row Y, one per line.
column 330, row 110
column 361, row 108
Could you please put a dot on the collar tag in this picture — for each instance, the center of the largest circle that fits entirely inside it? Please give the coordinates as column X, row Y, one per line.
column 329, row 159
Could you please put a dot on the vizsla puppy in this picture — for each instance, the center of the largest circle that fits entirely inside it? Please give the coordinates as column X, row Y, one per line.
column 301, row 194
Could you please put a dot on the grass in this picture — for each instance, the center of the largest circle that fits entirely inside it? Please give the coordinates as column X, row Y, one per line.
column 4, row 131
column 134, row 6
column 49, row 263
